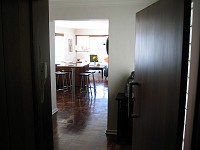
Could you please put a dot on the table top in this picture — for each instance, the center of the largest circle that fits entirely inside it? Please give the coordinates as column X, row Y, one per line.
column 60, row 73
column 74, row 65
column 101, row 66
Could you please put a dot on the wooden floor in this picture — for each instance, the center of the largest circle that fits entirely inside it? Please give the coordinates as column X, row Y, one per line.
column 81, row 124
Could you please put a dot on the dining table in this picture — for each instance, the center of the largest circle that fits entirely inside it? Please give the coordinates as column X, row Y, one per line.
column 76, row 69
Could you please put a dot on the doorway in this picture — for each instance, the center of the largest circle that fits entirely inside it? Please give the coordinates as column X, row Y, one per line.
column 78, row 116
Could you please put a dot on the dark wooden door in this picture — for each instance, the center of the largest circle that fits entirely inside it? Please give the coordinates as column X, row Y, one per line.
column 162, row 39
column 41, row 62
column 4, row 128
column 196, row 127
column 196, row 124
column 25, row 97
column 17, row 111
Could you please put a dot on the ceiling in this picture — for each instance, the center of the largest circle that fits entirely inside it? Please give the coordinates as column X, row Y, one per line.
column 92, row 24
column 69, row 3
column 83, row 24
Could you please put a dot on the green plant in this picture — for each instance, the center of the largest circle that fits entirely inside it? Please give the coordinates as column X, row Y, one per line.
column 95, row 58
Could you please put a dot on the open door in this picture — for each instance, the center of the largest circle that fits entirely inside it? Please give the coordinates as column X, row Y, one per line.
column 162, row 44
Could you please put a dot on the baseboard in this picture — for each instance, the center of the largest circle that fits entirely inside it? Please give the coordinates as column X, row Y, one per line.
column 54, row 110
column 111, row 132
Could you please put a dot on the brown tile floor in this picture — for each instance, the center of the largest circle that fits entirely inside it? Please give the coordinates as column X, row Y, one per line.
column 80, row 124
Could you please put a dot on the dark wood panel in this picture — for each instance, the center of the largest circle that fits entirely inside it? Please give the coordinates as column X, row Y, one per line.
column 42, row 87
column 196, row 127
column 19, row 99
column 16, row 44
column 162, row 44
column 25, row 46
column 18, row 74
column 4, row 128
column 12, row 72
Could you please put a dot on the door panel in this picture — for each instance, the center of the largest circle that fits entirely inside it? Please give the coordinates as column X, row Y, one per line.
column 24, row 43
column 18, row 114
column 41, row 60
column 4, row 130
column 196, row 127
column 161, row 69
column 196, row 124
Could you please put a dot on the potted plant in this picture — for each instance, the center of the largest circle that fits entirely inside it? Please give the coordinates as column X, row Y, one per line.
column 95, row 59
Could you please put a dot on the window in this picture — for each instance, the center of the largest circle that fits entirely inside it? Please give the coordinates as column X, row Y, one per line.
column 59, row 47
column 93, row 44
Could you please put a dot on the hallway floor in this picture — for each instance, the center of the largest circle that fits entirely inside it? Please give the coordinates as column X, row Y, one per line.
column 81, row 124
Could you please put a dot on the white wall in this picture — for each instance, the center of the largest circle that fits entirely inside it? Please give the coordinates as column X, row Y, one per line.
column 121, row 42
column 91, row 32
column 52, row 63
column 68, row 34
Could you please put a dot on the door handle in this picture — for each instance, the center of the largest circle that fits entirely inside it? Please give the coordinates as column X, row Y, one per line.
column 131, row 98
column 134, row 83
column 135, row 116
column 134, row 100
